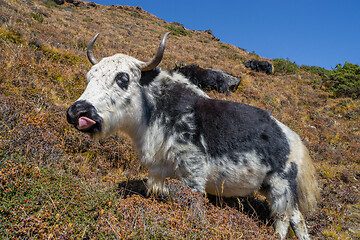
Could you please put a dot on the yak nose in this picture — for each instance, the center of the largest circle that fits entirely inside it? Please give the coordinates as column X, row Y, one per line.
column 79, row 108
column 84, row 117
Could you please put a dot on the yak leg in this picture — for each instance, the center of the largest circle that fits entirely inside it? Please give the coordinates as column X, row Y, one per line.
column 156, row 181
column 297, row 223
column 191, row 170
column 281, row 226
column 282, row 201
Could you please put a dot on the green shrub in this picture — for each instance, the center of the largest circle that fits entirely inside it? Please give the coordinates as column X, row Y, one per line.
column 11, row 36
column 224, row 46
column 345, row 80
column 135, row 14
column 81, row 45
column 178, row 30
column 285, row 66
column 87, row 20
column 50, row 4
column 236, row 57
column 322, row 72
column 254, row 55
column 38, row 17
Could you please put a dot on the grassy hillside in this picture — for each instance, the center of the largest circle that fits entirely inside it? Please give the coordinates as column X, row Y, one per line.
column 56, row 183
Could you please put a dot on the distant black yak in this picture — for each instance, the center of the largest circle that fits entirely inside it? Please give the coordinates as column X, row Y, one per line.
column 232, row 81
column 260, row 66
column 206, row 79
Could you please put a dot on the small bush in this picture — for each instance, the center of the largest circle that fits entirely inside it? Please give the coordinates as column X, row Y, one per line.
column 87, row 20
column 50, row 4
column 178, row 30
column 254, row 55
column 81, row 45
column 38, row 17
column 345, row 80
column 135, row 15
column 236, row 57
column 224, row 46
column 322, row 72
column 285, row 66
column 10, row 36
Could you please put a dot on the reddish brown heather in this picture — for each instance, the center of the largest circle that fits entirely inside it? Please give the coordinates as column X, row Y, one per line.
column 57, row 183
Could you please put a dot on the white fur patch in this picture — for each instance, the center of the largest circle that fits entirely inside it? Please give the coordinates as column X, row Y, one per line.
column 240, row 179
column 295, row 143
column 280, row 195
column 297, row 148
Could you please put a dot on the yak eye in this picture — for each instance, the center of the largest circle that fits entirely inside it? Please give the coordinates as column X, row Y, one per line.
column 122, row 79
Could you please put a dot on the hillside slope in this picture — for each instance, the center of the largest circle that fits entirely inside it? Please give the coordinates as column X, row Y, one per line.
column 57, row 183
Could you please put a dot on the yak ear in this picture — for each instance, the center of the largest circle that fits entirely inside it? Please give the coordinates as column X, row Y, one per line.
column 149, row 76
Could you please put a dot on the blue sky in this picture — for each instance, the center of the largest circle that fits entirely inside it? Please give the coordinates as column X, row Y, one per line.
column 309, row 32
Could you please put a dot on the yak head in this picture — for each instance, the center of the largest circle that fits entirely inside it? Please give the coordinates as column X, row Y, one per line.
column 111, row 101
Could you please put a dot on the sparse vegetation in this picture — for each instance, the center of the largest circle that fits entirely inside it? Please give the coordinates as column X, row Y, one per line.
column 235, row 57
column 345, row 80
column 50, row 4
column 223, row 46
column 285, row 66
column 254, row 55
column 87, row 20
column 322, row 72
column 38, row 17
column 178, row 30
column 342, row 81
column 135, row 14
column 56, row 183
column 9, row 35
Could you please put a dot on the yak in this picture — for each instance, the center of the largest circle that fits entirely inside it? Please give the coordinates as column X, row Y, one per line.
column 260, row 66
column 213, row 146
column 206, row 79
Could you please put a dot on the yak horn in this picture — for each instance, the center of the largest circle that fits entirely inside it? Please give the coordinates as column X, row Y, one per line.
column 159, row 55
column 89, row 51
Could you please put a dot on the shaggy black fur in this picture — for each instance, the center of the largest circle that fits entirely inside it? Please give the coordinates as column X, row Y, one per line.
column 260, row 66
column 148, row 76
column 206, row 79
column 229, row 128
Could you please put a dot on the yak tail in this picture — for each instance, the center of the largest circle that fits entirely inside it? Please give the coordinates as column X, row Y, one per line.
column 272, row 69
column 308, row 189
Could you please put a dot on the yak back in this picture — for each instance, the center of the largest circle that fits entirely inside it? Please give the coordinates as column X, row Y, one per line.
column 206, row 79
column 260, row 66
column 231, row 128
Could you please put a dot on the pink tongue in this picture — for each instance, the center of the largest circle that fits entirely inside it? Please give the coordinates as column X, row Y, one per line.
column 85, row 123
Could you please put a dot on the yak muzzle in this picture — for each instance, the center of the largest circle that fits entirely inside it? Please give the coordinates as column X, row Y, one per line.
column 84, row 117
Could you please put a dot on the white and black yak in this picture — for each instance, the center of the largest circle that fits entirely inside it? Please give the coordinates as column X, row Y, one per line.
column 213, row 146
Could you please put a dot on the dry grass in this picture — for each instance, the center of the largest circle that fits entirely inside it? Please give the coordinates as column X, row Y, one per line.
column 57, row 183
